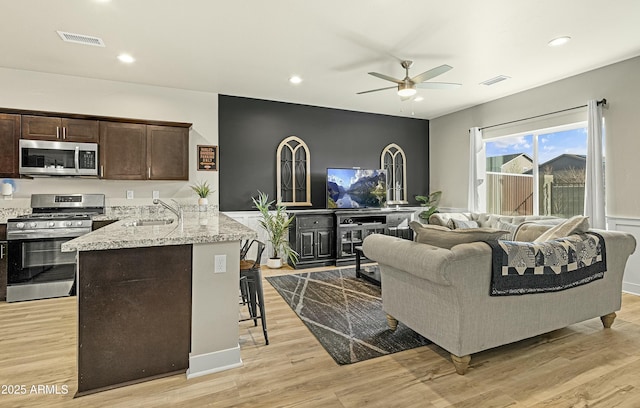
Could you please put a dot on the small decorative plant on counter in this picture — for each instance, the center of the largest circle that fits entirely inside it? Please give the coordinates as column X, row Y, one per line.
column 203, row 190
column 431, row 201
column 276, row 223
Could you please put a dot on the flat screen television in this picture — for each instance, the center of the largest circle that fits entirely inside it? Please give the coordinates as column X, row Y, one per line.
column 356, row 188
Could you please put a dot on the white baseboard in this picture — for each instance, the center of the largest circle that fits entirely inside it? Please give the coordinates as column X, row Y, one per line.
column 631, row 288
column 217, row 361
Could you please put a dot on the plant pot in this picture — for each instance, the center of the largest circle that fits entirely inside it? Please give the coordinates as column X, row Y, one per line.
column 274, row 263
column 203, row 203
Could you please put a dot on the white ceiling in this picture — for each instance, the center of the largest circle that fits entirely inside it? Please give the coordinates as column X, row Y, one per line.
column 251, row 47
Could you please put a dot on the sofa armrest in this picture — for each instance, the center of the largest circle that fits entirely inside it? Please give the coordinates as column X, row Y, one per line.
column 422, row 260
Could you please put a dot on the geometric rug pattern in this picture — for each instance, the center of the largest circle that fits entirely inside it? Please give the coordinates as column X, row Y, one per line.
column 345, row 314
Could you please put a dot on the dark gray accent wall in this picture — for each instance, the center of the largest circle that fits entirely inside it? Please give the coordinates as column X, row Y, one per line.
column 250, row 131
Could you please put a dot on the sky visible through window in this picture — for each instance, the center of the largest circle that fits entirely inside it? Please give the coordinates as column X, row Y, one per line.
column 550, row 145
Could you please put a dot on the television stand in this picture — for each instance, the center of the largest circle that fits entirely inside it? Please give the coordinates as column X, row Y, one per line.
column 352, row 227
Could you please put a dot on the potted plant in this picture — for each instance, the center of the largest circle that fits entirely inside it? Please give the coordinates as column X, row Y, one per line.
column 203, row 190
column 276, row 223
column 431, row 201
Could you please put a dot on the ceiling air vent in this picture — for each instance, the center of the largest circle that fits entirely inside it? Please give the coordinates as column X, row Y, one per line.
column 494, row 80
column 81, row 39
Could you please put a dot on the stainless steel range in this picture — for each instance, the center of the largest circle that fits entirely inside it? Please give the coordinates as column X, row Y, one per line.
column 38, row 269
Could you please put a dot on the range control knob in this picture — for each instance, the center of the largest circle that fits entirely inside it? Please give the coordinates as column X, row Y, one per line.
column 52, row 224
column 79, row 223
column 20, row 225
column 68, row 223
column 33, row 224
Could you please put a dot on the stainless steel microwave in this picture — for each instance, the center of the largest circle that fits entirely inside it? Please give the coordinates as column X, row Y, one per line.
column 44, row 158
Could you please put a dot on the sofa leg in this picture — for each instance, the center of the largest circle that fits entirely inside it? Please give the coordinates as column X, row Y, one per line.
column 461, row 363
column 392, row 322
column 607, row 320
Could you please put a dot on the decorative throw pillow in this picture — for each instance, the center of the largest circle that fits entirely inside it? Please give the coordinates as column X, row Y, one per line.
column 573, row 225
column 444, row 237
column 507, row 226
column 463, row 224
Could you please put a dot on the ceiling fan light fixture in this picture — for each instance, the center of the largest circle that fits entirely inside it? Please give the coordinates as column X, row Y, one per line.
column 406, row 90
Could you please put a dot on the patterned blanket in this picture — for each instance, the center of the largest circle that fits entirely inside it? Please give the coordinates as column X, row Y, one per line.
column 527, row 267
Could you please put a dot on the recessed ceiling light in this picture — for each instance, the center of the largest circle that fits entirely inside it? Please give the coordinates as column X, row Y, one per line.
column 559, row 41
column 418, row 99
column 295, row 80
column 126, row 58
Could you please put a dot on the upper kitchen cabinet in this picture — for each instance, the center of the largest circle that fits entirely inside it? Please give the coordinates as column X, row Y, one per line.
column 167, row 153
column 9, row 137
column 60, row 129
column 131, row 151
column 123, row 151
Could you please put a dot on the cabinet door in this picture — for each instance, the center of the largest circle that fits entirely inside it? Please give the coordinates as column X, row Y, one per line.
column 168, row 152
column 41, row 128
column 80, row 130
column 123, row 151
column 306, row 245
column 3, row 271
column 324, row 242
column 9, row 137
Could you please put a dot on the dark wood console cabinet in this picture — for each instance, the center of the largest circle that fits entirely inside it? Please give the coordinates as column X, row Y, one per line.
column 330, row 237
column 312, row 236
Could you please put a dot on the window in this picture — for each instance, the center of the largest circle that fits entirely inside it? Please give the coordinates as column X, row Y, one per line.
column 293, row 176
column 537, row 173
column 394, row 162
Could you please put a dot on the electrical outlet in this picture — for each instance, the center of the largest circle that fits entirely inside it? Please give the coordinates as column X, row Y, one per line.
column 155, row 195
column 221, row 264
column 129, row 194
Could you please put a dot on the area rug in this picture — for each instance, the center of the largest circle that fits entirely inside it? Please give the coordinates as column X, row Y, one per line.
column 345, row 314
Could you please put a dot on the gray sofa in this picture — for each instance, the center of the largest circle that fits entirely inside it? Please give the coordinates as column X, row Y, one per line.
column 444, row 295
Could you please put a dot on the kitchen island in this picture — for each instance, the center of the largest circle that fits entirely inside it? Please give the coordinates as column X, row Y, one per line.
column 151, row 302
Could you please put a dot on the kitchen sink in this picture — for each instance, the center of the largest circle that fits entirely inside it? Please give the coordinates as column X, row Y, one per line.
column 146, row 223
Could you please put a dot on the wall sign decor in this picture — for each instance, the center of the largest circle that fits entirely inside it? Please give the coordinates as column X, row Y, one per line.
column 207, row 158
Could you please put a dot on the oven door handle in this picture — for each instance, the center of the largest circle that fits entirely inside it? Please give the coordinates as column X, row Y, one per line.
column 76, row 159
column 28, row 235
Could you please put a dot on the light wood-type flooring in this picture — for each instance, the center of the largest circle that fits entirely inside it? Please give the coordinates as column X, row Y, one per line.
column 579, row 366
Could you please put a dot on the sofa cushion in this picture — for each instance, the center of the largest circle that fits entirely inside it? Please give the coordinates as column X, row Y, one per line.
column 507, row 226
column 444, row 237
column 462, row 224
column 573, row 225
column 529, row 231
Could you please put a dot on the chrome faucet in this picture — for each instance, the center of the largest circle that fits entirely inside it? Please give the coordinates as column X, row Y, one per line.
column 177, row 210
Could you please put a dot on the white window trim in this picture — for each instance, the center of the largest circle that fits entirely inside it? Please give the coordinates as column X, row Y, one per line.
column 536, row 133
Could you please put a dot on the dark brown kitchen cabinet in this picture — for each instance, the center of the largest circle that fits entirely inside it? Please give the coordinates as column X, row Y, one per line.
column 123, row 151
column 60, row 129
column 143, row 152
column 3, row 270
column 9, row 137
column 167, row 153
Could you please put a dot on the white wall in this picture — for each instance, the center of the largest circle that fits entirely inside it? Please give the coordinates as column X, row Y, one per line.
column 59, row 93
column 618, row 83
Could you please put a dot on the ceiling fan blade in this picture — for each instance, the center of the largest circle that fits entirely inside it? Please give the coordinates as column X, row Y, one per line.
column 376, row 90
column 432, row 73
column 438, row 85
column 385, row 77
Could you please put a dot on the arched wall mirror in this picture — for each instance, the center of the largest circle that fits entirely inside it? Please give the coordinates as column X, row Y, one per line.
column 293, row 172
column 394, row 161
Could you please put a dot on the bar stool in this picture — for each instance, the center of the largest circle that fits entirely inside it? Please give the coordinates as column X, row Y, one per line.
column 251, row 286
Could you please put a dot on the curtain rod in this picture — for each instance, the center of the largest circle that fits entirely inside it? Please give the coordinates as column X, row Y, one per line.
column 603, row 102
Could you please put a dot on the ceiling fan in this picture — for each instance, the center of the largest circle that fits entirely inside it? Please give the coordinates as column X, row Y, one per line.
column 407, row 86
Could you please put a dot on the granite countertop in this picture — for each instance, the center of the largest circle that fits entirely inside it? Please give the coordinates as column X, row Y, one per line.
column 196, row 228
